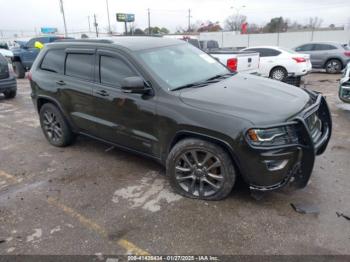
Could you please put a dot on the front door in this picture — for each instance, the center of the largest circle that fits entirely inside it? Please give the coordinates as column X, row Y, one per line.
column 122, row 118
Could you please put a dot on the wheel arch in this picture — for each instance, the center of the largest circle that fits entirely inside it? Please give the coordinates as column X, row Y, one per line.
column 41, row 100
column 223, row 144
column 16, row 59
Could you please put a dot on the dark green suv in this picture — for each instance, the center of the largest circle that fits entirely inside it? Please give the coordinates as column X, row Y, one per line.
column 168, row 100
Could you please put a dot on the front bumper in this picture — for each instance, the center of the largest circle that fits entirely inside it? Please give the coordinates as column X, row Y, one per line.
column 297, row 159
column 8, row 84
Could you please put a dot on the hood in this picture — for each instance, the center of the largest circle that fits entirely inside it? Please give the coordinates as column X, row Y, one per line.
column 256, row 99
column 6, row 53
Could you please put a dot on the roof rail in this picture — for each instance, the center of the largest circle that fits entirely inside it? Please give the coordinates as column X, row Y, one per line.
column 105, row 41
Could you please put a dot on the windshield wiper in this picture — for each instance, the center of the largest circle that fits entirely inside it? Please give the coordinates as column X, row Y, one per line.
column 220, row 76
column 199, row 84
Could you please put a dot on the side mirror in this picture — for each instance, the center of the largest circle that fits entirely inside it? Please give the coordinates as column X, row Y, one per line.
column 135, row 84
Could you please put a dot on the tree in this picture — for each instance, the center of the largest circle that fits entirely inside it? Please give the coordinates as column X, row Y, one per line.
column 164, row 31
column 138, row 31
column 209, row 27
column 234, row 22
column 275, row 25
column 315, row 22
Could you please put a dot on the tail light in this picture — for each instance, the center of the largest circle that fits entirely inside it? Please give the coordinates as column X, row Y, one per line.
column 299, row 59
column 347, row 53
column 30, row 76
column 232, row 64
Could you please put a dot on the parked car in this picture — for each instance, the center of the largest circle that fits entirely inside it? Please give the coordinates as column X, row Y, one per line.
column 331, row 56
column 8, row 84
column 25, row 54
column 280, row 63
column 172, row 102
column 236, row 61
column 6, row 53
column 344, row 88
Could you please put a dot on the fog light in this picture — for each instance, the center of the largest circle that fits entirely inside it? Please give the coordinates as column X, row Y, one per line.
column 275, row 165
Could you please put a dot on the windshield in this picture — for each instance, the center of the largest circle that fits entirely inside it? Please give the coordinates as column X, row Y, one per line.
column 181, row 65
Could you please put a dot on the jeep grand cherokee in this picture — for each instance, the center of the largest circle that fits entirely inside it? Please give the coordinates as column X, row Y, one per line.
column 170, row 101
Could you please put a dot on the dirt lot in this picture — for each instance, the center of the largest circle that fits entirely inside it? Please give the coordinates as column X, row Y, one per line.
column 92, row 199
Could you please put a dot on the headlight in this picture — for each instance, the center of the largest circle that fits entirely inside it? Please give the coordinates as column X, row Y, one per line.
column 276, row 136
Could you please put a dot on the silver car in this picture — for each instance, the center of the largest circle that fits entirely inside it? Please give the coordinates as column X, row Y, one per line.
column 331, row 56
column 344, row 88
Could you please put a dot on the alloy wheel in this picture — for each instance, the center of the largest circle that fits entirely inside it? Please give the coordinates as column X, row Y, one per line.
column 278, row 74
column 52, row 126
column 199, row 173
column 333, row 67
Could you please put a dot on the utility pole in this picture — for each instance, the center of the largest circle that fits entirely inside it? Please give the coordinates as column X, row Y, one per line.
column 89, row 23
column 64, row 18
column 96, row 25
column 189, row 20
column 109, row 21
column 149, row 22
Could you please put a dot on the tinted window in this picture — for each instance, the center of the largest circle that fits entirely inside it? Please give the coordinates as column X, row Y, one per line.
column 194, row 42
column 212, row 44
column 321, row 47
column 113, row 70
column 80, row 66
column 54, row 61
column 265, row 52
column 307, row 47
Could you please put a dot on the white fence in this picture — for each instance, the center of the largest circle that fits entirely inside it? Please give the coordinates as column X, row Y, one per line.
column 290, row 39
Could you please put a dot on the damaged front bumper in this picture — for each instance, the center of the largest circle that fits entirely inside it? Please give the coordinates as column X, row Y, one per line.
column 273, row 167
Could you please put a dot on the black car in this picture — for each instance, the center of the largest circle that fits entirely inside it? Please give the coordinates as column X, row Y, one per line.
column 170, row 101
column 8, row 84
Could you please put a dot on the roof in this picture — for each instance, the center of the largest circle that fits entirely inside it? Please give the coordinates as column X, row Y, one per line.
column 133, row 43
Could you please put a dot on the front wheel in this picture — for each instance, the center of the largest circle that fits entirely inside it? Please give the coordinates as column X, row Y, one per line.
column 200, row 169
column 19, row 70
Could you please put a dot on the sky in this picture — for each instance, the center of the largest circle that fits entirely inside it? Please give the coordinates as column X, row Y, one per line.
column 29, row 15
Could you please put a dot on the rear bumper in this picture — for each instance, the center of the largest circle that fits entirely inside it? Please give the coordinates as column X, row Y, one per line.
column 296, row 161
column 8, row 84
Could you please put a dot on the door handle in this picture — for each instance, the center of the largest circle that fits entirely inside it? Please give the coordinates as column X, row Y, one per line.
column 60, row 82
column 102, row 93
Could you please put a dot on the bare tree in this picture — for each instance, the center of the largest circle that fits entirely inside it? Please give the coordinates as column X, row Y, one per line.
column 234, row 22
column 315, row 22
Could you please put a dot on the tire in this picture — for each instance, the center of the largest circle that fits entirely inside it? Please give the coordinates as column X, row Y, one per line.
column 189, row 177
column 333, row 66
column 19, row 70
column 278, row 73
column 10, row 94
column 54, row 126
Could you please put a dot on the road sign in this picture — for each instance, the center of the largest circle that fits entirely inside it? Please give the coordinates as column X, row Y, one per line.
column 125, row 17
column 48, row 30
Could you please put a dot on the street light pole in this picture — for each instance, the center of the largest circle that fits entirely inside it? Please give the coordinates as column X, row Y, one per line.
column 149, row 22
column 109, row 21
column 64, row 18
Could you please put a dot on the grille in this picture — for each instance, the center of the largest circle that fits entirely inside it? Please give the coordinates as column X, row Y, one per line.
column 314, row 125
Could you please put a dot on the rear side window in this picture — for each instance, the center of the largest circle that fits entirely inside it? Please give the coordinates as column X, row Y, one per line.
column 54, row 61
column 80, row 66
column 113, row 70
column 265, row 52
column 321, row 47
column 307, row 47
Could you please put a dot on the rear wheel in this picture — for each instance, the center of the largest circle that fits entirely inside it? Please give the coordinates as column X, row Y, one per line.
column 19, row 69
column 54, row 126
column 200, row 169
column 333, row 66
column 278, row 73
column 10, row 94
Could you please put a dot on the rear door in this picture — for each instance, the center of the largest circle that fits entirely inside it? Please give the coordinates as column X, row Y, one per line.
column 122, row 118
column 321, row 53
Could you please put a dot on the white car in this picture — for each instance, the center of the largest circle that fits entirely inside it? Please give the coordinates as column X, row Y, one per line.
column 6, row 53
column 279, row 63
column 344, row 87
